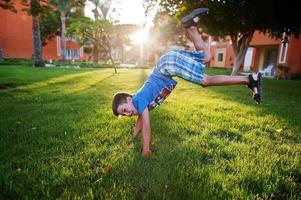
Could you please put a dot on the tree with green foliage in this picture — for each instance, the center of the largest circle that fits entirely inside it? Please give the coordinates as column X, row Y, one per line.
column 103, row 9
column 121, row 36
column 240, row 19
column 49, row 19
column 102, row 34
column 64, row 7
column 49, row 25
column 89, row 31
column 100, row 11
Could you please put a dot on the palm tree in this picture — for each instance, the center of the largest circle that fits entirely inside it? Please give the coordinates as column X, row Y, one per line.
column 104, row 6
column 64, row 6
column 35, row 10
column 102, row 11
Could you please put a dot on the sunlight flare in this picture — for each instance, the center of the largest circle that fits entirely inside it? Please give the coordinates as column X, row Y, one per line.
column 139, row 37
column 142, row 36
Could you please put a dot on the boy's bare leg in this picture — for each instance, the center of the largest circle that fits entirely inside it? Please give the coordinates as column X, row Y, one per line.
column 218, row 80
column 198, row 42
column 221, row 80
column 253, row 81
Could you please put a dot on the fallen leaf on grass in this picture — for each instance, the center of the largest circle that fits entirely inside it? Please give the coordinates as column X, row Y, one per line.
column 166, row 187
column 106, row 169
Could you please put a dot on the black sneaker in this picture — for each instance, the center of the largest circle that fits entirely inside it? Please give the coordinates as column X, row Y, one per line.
column 256, row 87
column 192, row 19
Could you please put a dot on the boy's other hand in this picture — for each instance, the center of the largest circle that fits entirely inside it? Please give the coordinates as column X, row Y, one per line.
column 146, row 153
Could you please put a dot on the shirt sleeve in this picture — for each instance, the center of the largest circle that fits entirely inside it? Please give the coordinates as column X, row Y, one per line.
column 140, row 104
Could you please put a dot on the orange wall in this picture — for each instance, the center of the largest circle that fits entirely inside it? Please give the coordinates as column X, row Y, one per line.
column 263, row 39
column 16, row 33
column 16, row 36
column 229, row 55
column 50, row 50
column 293, row 59
column 259, row 41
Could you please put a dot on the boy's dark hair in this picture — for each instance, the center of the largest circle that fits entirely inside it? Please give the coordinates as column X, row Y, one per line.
column 119, row 98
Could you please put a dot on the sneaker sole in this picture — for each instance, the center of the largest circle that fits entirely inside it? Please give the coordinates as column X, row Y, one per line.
column 194, row 14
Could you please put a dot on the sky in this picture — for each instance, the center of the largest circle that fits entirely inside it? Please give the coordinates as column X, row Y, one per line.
column 131, row 11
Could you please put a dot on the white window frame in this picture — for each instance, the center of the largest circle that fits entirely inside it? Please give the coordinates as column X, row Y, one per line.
column 220, row 51
column 283, row 55
column 81, row 52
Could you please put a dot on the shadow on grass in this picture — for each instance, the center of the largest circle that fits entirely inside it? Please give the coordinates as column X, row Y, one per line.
column 79, row 150
column 22, row 76
column 43, row 139
column 280, row 99
column 185, row 168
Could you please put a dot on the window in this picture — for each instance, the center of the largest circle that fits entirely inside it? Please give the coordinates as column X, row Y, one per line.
column 283, row 53
column 219, row 60
column 71, row 54
column 220, row 57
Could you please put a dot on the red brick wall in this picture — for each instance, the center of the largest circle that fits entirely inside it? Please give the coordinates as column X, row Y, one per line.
column 263, row 39
column 16, row 33
column 293, row 59
column 16, row 36
column 50, row 50
column 229, row 55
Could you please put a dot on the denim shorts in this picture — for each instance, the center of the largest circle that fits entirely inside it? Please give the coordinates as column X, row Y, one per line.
column 188, row 65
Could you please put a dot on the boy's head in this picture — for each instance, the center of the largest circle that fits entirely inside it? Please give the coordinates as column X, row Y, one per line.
column 122, row 104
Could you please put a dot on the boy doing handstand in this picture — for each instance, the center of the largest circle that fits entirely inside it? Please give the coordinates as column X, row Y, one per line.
column 188, row 65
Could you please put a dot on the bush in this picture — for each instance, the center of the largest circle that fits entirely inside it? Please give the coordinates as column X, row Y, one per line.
column 84, row 64
column 88, row 50
column 296, row 76
column 282, row 72
column 16, row 61
column 103, row 65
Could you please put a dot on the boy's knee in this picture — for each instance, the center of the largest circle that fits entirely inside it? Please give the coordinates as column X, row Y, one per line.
column 207, row 59
column 205, row 82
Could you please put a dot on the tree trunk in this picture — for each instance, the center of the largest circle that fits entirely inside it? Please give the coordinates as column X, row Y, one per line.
column 238, row 61
column 37, row 45
column 113, row 63
column 63, row 37
column 95, row 54
column 123, row 53
column 240, row 43
column 109, row 51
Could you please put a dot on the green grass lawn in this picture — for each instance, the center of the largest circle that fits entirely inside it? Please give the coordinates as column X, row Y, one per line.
column 60, row 140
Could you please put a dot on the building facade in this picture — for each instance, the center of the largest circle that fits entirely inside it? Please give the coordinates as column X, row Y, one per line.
column 16, row 40
column 273, row 57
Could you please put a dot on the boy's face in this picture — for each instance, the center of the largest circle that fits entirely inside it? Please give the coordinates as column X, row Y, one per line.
column 127, row 109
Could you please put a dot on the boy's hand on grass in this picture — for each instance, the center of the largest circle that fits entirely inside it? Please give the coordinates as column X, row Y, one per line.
column 135, row 133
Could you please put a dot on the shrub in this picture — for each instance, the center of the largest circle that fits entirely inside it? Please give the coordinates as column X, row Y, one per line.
column 282, row 72
column 88, row 49
column 296, row 76
column 16, row 61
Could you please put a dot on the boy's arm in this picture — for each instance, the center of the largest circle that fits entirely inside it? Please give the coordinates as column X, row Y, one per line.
column 146, row 133
column 137, row 127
